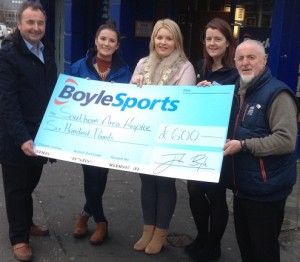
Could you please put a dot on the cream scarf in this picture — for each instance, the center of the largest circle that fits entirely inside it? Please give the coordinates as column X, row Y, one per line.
column 159, row 71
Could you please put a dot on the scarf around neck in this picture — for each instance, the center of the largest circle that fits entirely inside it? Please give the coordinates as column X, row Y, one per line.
column 158, row 71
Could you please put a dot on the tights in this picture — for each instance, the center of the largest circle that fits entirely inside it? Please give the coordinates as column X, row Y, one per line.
column 209, row 209
column 94, row 185
column 158, row 200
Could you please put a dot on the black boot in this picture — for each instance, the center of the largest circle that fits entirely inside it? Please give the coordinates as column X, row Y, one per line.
column 208, row 253
column 196, row 245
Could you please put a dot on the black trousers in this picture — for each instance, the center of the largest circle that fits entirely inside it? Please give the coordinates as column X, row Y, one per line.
column 257, row 228
column 19, row 183
column 210, row 211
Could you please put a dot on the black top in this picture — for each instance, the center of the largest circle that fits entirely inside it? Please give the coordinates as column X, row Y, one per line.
column 223, row 76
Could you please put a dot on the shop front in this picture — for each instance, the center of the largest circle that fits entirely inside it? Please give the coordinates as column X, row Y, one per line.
column 273, row 22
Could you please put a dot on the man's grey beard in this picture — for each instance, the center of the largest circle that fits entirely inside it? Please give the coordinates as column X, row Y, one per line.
column 247, row 79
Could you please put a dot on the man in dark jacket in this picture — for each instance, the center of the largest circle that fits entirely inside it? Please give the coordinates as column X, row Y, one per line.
column 27, row 77
column 263, row 134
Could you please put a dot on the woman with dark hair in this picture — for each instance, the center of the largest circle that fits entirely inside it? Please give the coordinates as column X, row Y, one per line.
column 208, row 200
column 218, row 54
column 101, row 63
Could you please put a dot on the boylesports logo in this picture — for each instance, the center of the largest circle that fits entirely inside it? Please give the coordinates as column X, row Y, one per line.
column 121, row 100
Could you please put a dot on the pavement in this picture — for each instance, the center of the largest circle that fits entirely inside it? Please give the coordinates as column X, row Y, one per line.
column 59, row 198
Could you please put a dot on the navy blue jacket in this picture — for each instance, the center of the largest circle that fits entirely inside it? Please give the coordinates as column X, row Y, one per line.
column 84, row 68
column 223, row 76
column 26, row 85
column 268, row 178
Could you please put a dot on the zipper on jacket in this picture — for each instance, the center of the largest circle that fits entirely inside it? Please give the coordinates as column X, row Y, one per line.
column 244, row 114
column 234, row 132
column 263, row 171
column 241, row 102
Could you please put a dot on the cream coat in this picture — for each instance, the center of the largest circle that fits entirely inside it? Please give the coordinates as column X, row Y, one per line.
column 185, row 77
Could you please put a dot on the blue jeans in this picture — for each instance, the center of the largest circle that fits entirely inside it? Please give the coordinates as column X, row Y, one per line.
column 158, row 200
column 94, row 185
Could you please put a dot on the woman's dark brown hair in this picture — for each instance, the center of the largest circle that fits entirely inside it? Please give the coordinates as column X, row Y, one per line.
column 111, row 25
column 225, row 29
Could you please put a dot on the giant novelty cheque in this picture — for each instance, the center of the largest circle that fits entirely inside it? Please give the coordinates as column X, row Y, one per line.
column 172, row 131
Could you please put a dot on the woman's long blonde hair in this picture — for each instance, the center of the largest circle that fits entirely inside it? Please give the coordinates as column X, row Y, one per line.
column 175, row 32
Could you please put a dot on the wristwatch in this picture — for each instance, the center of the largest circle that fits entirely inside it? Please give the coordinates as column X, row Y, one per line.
column 244, row 145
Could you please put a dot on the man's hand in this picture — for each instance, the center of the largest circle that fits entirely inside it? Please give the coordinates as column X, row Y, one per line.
column 27, row 148
column 232, row 147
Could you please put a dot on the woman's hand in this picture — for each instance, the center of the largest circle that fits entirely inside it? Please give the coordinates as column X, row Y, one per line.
column 138, row 80
column 204, row 83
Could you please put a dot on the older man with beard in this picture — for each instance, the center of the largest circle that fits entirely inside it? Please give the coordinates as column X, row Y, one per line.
column 263, row 132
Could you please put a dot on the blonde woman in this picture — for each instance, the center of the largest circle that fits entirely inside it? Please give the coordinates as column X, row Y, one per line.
column 166, row 64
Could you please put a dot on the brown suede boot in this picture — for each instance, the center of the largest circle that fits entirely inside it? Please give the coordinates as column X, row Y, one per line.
column 145, row 239
column 157, row 242
column 100, row 234
column 81, row 226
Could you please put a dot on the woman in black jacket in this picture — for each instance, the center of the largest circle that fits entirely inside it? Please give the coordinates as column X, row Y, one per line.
column 208, row 200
